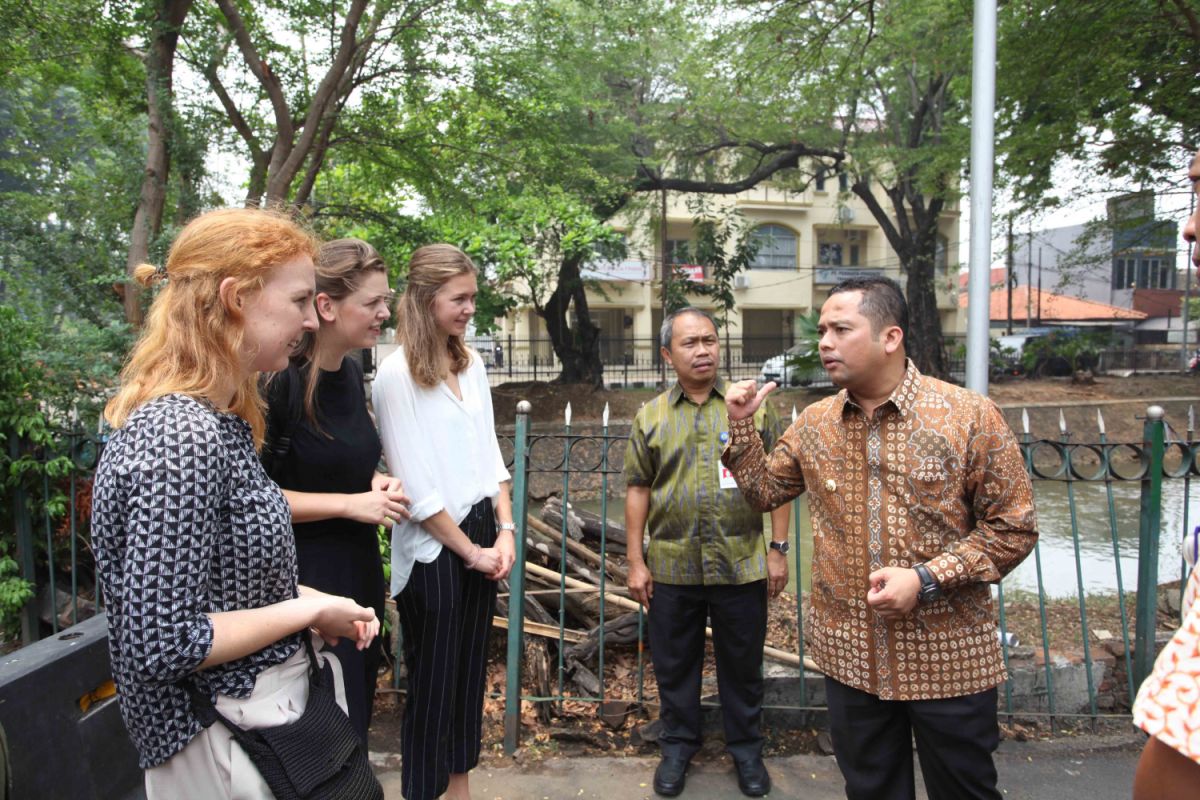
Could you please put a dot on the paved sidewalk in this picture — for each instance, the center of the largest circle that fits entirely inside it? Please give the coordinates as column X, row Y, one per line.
column 1085, row 767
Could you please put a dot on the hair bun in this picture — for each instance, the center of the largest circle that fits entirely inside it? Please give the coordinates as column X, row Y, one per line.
column 148, row 274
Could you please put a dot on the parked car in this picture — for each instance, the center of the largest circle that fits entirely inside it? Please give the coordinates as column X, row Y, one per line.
column 779, row 369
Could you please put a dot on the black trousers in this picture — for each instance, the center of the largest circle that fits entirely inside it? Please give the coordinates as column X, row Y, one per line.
column 955, row 736
column 446, row 617
column 739, row 622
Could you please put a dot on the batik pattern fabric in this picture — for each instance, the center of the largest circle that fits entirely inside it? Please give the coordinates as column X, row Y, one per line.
column 1168, row 704
column 185, row 523
column 933, row 477
column 700, row 532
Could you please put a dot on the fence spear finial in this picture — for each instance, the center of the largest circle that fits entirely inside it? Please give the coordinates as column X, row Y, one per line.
column 795, row 413
column 1025, row 420
column 1062, row 422
column 1191, row 419
column 604, row 416
column 567, row 414
column 1100, row 422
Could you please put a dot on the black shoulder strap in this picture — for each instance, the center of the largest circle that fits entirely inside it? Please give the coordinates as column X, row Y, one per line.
column 281, row 424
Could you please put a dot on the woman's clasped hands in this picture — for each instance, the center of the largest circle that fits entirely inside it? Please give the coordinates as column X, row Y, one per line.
column 385, row 504
column 496, row 561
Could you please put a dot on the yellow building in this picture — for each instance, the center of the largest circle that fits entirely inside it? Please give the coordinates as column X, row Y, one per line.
column 808, row 241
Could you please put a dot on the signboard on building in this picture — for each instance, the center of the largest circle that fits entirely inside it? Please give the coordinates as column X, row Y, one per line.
column 627, row 270
column 832, row 275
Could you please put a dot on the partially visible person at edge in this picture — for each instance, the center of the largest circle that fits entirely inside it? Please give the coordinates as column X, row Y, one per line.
column 193, row 541
column 1168, row 702
column 706, row 556
column 322, row 450
column 920, row 501
column 435, row 417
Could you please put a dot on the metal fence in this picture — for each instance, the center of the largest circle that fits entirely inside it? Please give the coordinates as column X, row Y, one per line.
column 50, row 525
column 594, row 457
column 636, row 362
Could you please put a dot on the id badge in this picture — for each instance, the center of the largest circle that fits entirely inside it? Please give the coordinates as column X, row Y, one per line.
column 726, row 477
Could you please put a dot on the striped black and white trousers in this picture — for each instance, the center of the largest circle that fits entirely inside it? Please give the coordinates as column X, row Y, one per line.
column 446, row 617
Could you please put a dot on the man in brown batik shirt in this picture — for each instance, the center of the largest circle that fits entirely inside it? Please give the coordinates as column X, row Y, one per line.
column 919, row 500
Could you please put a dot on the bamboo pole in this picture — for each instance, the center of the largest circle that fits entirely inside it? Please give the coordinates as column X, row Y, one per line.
column 781, row 656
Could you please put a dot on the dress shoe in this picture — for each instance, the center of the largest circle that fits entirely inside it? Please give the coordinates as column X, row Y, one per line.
column 752, row 776
column 670, row 776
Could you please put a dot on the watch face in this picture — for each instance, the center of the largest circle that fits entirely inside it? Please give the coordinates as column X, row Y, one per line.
column 782, row 547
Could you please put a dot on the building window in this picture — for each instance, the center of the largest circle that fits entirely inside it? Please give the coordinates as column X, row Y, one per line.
column 1143, row 273
column 829, row 254
column 678, row 251
column 820, row 180
column 843, row 182
column 776, row 248
column 854, row 255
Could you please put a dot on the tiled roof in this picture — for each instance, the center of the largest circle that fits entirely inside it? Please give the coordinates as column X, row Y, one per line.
column 1054, row 307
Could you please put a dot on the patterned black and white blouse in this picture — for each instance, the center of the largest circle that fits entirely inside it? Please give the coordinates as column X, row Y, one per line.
column 185, row 522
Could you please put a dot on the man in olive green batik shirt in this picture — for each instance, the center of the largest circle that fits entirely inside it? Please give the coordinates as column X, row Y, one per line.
column 706, row 556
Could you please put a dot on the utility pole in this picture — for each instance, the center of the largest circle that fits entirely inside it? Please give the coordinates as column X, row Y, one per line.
column 1008, row 280
column 1029, row 289
column 1039, row 287
column 1184, row 309
column 666, row 278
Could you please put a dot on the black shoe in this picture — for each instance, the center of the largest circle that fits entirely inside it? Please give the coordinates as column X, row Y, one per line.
column 670, row 776
column 753, row 779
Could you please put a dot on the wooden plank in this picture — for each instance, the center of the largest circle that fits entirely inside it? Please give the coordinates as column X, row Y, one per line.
column 540, row 629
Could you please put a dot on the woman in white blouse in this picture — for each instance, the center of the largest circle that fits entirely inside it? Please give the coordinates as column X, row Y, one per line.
column 435, row 418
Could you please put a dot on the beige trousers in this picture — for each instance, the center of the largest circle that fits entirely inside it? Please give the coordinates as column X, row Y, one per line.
column 215, row 767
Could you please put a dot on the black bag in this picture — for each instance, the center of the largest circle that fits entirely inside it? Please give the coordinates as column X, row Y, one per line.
column 316, row 757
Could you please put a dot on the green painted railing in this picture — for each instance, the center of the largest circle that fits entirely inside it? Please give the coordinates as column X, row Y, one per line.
column 48, row 518
column 568, row 455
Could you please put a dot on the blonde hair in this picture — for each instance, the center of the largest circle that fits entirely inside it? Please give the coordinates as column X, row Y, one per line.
column 341, row 266
column 192, row 342
column 429, row 268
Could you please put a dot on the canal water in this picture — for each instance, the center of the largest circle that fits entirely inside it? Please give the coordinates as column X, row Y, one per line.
column 1056, row 543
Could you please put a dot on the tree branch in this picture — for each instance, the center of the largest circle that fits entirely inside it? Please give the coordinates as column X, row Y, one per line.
column 260, row 69
column 283, row 170
column 788, row 157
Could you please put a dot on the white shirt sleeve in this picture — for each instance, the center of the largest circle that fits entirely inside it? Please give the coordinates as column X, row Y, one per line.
column 407, row 444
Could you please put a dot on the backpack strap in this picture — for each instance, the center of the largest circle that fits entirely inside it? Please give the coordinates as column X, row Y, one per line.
column 282, row 422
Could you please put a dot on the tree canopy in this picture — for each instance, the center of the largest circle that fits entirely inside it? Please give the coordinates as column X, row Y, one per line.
column 519, row 130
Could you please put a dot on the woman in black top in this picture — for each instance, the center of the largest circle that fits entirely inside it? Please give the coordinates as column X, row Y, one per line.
column 194, row 550
column 322, row 450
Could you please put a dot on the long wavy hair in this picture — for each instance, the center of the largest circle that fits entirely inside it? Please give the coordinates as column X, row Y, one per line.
column 341, row 267
column 192, row 341
column 429, row 268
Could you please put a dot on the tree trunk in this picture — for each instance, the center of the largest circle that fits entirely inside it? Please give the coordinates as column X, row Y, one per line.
column 147, row 219
column 578, row 347
column 925, row 345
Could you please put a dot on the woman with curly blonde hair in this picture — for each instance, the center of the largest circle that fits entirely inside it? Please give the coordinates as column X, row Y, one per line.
column 193, row 541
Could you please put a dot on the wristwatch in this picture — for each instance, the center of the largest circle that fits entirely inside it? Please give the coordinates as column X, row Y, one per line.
column 506, row 526
column 930, row 589
column 783, row 547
